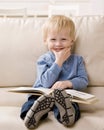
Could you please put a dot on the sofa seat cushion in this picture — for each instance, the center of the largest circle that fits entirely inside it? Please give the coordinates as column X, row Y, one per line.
column 92, row 116
column 99, row 106
column 10, row 120
column 11, row 99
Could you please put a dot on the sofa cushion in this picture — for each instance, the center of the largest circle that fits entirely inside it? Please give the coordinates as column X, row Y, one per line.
column 21, row 45
column 90, row 44
column 98, row 106
column 11, row 99
column 9, row 120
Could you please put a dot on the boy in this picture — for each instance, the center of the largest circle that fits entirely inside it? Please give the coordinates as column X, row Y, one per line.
column 58, row 69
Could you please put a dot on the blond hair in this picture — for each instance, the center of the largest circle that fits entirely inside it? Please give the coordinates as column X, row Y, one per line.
column 57, row 23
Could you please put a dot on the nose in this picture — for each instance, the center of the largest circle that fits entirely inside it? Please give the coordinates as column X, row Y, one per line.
column 58, row 43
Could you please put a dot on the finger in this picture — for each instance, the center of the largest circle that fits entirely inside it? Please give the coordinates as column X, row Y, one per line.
column 54, row 86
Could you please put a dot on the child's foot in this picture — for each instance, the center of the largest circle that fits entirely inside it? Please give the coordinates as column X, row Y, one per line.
column 40, row 107
column 66, row 109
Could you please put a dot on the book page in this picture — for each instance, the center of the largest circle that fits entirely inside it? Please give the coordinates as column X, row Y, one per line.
column 38, row 90
column 79, row 94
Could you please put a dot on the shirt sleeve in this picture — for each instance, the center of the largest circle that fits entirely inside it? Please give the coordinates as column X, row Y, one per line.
column 81, row 80
column 47, row 73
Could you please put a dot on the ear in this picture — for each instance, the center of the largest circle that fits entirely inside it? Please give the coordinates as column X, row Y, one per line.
column 72, row 42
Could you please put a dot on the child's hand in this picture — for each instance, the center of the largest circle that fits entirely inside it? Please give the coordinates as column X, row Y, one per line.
column 62, row 85
column 62, row 55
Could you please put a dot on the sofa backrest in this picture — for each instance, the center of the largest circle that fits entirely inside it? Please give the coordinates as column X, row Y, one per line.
column 21, row 45
column 90, row 44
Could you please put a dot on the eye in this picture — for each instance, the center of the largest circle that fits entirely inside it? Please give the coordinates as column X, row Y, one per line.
column 52, row 39
column 63, row 39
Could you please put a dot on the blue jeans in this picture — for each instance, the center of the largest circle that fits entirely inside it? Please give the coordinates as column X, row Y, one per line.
column 31, row 99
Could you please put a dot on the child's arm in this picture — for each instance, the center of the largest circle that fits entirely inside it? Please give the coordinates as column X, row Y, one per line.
column 81, row 80
column 62, row 84
column 78, row 82
column 47, row 73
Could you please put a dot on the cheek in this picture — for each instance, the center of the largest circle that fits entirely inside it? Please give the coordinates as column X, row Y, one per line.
column 68, row 44
column 50, row 46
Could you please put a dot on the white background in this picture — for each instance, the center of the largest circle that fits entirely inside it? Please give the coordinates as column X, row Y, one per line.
column 85, row 7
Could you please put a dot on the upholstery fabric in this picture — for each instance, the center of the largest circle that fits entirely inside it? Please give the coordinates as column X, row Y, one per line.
column 20, row 46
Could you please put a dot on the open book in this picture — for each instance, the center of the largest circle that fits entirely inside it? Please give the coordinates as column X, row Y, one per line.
column 75, row 96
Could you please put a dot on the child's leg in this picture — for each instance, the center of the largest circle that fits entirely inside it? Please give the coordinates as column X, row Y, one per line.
column 27, row 105
column 77, row 111
column 65, row 111
column 40, row 107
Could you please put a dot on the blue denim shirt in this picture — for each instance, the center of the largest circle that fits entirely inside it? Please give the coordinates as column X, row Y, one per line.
column 73, row 69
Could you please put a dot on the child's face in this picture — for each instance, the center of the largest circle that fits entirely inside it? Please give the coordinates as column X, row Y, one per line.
column 58, row 41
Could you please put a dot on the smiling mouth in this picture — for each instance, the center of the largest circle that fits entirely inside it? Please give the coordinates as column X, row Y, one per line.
column 58, row 49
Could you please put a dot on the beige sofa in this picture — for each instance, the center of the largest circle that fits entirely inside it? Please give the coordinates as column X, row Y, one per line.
column 21, row 45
